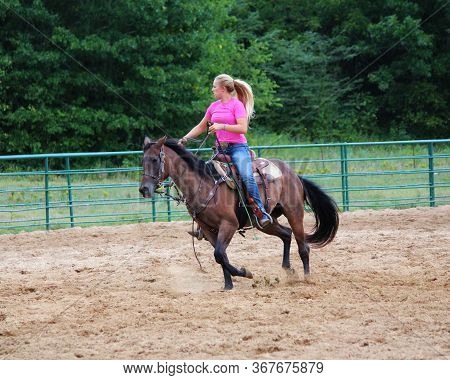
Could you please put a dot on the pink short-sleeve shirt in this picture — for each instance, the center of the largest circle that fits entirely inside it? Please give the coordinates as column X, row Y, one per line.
column 227, row 113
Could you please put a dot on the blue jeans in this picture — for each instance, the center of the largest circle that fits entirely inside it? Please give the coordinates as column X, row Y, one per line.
column 240, row 156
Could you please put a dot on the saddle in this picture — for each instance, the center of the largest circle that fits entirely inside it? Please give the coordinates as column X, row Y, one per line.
column 264, row 171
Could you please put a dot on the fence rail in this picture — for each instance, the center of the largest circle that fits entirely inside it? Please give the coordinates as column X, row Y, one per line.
column 64, row 190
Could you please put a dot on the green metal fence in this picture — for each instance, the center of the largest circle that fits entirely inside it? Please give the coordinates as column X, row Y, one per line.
column 80, row 189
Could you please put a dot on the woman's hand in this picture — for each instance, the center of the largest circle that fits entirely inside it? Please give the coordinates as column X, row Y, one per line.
column 216, row 127
column 182, row 141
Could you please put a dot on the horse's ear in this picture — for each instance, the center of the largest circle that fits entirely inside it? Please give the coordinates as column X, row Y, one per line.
column 147, row 140
column 161, row 141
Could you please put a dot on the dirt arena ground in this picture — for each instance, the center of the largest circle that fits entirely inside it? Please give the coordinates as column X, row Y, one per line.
column 379, row 291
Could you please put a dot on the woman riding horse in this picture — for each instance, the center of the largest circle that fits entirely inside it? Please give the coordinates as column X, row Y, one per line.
column 208, row 202
column 230, row 116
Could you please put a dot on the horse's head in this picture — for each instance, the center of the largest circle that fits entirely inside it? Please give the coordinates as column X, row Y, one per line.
column 153, row 166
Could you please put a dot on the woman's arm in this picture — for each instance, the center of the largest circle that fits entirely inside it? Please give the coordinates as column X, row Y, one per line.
column 240, row 127
column 196, row 131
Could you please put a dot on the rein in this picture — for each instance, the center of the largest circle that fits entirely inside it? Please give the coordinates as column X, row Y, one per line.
column 201, row 145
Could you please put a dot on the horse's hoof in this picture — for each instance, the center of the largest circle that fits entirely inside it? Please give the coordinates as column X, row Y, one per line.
column 308, row 279
column 197, row 234
column 290, row 271
column 247, row 274
column 291, row 275
column 227, row 288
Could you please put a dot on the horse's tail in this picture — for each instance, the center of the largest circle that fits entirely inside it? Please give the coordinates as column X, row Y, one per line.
column 326, row 213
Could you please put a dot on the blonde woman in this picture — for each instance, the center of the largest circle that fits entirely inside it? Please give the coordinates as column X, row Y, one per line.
column 230, row 115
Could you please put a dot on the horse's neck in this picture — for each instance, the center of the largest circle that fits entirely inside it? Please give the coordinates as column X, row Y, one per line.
column 190, row 183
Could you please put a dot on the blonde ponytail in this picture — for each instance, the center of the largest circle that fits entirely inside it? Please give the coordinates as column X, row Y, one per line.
column 245, row 95
column 241, row 89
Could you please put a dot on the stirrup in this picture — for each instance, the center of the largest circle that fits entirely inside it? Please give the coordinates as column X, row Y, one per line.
column 270, row 220
column 270, row 217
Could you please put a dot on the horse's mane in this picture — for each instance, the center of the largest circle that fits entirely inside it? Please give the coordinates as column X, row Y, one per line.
column 194, row 163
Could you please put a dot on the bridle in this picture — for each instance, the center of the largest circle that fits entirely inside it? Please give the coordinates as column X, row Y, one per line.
column 162, row 157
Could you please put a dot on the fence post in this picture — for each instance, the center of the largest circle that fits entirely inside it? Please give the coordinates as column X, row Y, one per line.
column 344, row 176
column 153, row 201
column 431, row 174
column 69, row 189
column 47, row 197
column 169, row 205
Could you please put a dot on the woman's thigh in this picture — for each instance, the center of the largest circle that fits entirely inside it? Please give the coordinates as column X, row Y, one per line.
column 240, row 156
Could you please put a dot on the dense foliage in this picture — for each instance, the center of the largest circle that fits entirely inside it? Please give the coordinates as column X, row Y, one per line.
column 92, row 76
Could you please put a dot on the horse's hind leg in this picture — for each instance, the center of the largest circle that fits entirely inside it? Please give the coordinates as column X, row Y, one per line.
column 304, row 255
column 296, row 223
column 285, row 234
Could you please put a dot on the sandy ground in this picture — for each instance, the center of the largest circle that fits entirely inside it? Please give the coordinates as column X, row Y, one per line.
column 379, row 291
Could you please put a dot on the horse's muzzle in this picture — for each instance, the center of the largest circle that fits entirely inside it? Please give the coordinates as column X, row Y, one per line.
column 145, row 191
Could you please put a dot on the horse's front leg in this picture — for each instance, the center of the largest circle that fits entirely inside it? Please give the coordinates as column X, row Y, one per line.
column 227, row 277
column 226, row 232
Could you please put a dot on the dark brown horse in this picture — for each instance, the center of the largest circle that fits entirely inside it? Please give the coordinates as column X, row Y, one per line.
column 214, row 206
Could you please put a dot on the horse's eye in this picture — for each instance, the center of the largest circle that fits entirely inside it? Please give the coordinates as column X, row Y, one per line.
column 154, row 159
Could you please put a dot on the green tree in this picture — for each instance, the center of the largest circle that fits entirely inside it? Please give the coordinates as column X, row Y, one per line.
column 382, row 65
column 82, row 75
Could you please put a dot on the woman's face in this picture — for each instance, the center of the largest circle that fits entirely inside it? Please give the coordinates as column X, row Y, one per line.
column 218, row 90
